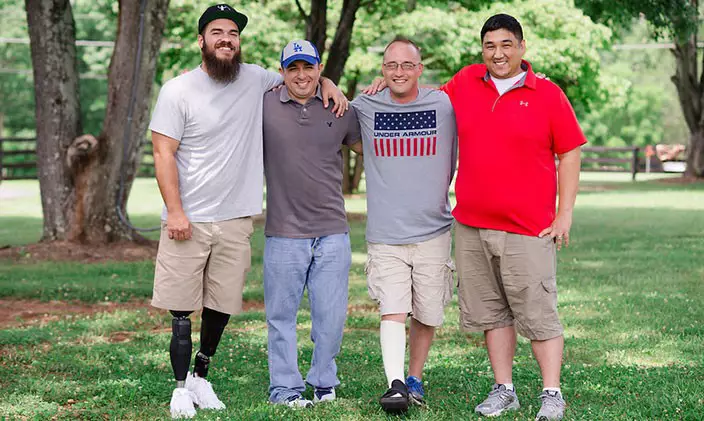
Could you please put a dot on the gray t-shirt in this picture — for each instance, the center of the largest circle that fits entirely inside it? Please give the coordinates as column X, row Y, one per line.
column 303, row 166
column 410, row 152
column 219, row 127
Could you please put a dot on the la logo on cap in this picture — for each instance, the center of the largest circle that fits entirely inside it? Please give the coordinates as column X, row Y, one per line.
column 297, row 47
column 223, row 7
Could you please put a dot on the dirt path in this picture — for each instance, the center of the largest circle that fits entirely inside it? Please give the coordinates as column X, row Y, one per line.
column 15, row 313
column 24, row 312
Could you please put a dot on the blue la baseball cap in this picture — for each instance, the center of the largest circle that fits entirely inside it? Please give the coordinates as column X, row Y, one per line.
column 299, row 50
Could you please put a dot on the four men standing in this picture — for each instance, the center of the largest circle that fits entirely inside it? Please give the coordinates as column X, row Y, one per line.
column 207, row 135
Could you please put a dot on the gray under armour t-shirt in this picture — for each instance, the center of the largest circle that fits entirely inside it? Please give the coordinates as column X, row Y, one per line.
column 410, row 152
column 219, row 129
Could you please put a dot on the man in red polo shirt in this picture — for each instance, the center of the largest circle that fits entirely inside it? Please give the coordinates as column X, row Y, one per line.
column 511, row 125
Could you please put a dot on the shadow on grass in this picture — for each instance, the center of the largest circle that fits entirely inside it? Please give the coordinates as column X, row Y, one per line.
column 131, row 379
column 631, row 297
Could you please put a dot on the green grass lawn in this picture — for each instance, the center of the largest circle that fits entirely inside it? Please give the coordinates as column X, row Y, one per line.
column 631, row 298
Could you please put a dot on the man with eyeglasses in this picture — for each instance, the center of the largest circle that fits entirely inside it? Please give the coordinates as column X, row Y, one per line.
column 409, row 143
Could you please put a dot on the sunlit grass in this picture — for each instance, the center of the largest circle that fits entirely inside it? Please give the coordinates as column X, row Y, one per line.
column 631, row 298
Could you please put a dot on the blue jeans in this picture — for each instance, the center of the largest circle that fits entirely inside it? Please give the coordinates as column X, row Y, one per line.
column 291, row 264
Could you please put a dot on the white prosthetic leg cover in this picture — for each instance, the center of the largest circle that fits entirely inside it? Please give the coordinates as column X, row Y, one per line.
column 205, row 396
column 182, row 401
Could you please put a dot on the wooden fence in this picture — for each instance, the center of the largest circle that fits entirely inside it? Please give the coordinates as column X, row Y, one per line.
column 18, row 159
column 601, row 158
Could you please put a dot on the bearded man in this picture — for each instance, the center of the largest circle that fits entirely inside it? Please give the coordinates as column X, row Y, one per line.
column 207, row 137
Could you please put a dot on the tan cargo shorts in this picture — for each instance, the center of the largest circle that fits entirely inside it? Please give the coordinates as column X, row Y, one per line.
column 412, row 278
column 507, row 279
column 208, row 270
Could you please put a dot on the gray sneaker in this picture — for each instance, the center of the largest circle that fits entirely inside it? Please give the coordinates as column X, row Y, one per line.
column 553, row 407
column 499, row 400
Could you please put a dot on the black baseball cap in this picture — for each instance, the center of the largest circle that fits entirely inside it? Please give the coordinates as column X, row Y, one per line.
column 222, row 11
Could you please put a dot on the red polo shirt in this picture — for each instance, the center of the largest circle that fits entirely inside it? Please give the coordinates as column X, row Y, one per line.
column 506, row 178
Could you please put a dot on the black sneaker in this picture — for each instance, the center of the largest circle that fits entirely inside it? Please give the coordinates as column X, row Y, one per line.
column 395, row 399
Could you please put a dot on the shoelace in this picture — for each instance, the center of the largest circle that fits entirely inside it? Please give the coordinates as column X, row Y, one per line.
column 415, row 386
column 553, row 402
column 503, row 395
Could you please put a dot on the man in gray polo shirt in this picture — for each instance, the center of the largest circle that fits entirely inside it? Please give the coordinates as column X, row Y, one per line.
column 307, row 240
column 410, row 150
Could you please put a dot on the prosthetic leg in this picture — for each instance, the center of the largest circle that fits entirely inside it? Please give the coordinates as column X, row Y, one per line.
column 213, row 324
column 211, row 331
column 182, row 400
column 181, row 346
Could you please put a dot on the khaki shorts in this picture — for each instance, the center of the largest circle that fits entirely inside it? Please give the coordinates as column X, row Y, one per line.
column 507, row 278
column 412, row 278
column 208, row 270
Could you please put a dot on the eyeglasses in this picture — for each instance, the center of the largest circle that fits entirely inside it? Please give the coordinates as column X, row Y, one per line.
column 406, row 65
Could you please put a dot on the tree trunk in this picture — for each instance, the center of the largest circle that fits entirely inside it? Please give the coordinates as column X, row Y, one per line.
column 346, row 179
column 411, row 5
column 689, row 85
column 340, row 48
column 52, row 36
column 120, row 143
column 80, row 175
column 357, row 174
column 695, row 155
column 317, row 24
column 2, row 129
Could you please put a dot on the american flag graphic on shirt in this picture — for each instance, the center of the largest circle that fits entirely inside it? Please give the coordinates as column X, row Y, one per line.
column 405, row 134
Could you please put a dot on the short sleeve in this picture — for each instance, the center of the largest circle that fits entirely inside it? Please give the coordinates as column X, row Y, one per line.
column 354, row 132
column 169, row 116
column 452, row 86
column 270, row 79
column 564, row 127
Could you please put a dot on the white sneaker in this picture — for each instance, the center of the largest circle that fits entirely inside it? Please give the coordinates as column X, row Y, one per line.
column 299, row 402
column 323, row 395
column 203, row 390
column 182, row 403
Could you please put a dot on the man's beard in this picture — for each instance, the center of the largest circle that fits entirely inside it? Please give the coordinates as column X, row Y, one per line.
column 222, row 70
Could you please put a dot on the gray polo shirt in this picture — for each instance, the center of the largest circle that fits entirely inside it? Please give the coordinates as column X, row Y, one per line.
column 303, row 166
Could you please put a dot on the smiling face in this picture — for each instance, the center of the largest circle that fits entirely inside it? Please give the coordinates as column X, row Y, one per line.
column 502, row 53
column 401, row 70
column 222, row 37
column 220, row 49
column 301, row 79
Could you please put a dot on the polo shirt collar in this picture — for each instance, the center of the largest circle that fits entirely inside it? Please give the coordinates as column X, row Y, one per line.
column 528, row 80
column 285, row 97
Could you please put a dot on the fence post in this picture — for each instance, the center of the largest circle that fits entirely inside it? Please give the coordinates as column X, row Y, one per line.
column 1, row 155
column 2, row 129
column 634, row 164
